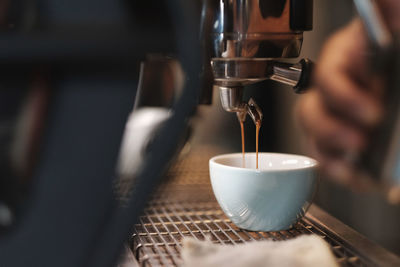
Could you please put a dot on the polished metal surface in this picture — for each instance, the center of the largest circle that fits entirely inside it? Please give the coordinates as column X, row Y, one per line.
column 254, row 29
column 287, row 74
column 247, row 34
column 231, row 76
column 231, row 98
column 241, row 72
column 186, row 207
column 254, row 111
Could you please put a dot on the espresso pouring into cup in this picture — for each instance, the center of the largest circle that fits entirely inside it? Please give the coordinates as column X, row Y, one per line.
column 248, row 39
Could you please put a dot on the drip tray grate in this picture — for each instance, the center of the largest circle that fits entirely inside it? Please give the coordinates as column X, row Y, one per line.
column 157, row 239
column 186, row 207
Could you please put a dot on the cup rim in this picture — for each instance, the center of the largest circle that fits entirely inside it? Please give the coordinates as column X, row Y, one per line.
column 314, row 162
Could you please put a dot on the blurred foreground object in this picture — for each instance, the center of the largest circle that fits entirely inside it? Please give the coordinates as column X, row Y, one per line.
column 381, row 159
column 71, row 70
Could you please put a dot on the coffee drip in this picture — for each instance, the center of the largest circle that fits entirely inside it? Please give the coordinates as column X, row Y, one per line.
column 258, row 126
column 245, row 41
column 243, row 145
column 255, row 113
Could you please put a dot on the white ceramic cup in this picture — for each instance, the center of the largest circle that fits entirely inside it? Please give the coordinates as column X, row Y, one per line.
column 271, row 198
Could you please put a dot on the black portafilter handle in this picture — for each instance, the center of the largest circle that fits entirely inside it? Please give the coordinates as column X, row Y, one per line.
column 307, row 67
column 297, row 75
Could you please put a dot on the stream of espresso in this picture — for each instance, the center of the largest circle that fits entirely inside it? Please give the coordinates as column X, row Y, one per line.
column 243, row 153
column 256, row 115
column 258, row 126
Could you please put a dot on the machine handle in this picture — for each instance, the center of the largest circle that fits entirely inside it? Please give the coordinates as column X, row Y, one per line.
column 304, row 82
column 296, row 75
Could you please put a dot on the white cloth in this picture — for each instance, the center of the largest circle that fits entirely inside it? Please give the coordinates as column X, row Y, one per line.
column 305, row 250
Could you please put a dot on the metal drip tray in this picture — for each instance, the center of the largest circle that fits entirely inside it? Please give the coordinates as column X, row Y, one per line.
column 186, row 207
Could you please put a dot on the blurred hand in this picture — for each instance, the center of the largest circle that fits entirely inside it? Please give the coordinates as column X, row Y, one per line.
column 391, row 13
column 344, row 104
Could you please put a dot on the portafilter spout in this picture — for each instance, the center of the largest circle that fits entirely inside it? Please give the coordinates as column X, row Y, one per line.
column 231, row 99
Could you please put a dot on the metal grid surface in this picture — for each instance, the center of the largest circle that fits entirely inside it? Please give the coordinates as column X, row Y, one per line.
column 186, row 207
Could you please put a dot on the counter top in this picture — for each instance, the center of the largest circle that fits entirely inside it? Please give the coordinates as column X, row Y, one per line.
column 184, row 205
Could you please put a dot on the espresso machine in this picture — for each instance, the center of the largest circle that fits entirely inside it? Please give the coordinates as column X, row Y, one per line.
column 70, row 215
column 246, row 43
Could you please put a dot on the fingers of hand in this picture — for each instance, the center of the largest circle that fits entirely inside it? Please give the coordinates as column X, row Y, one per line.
column 341, row 171
column 343, row 78
column 390, row 10
column 344, row 97
column 345, row 102
column 333, row 143
column 325, row 128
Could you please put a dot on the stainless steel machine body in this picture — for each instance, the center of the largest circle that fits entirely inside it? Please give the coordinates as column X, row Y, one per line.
column 248, row 38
